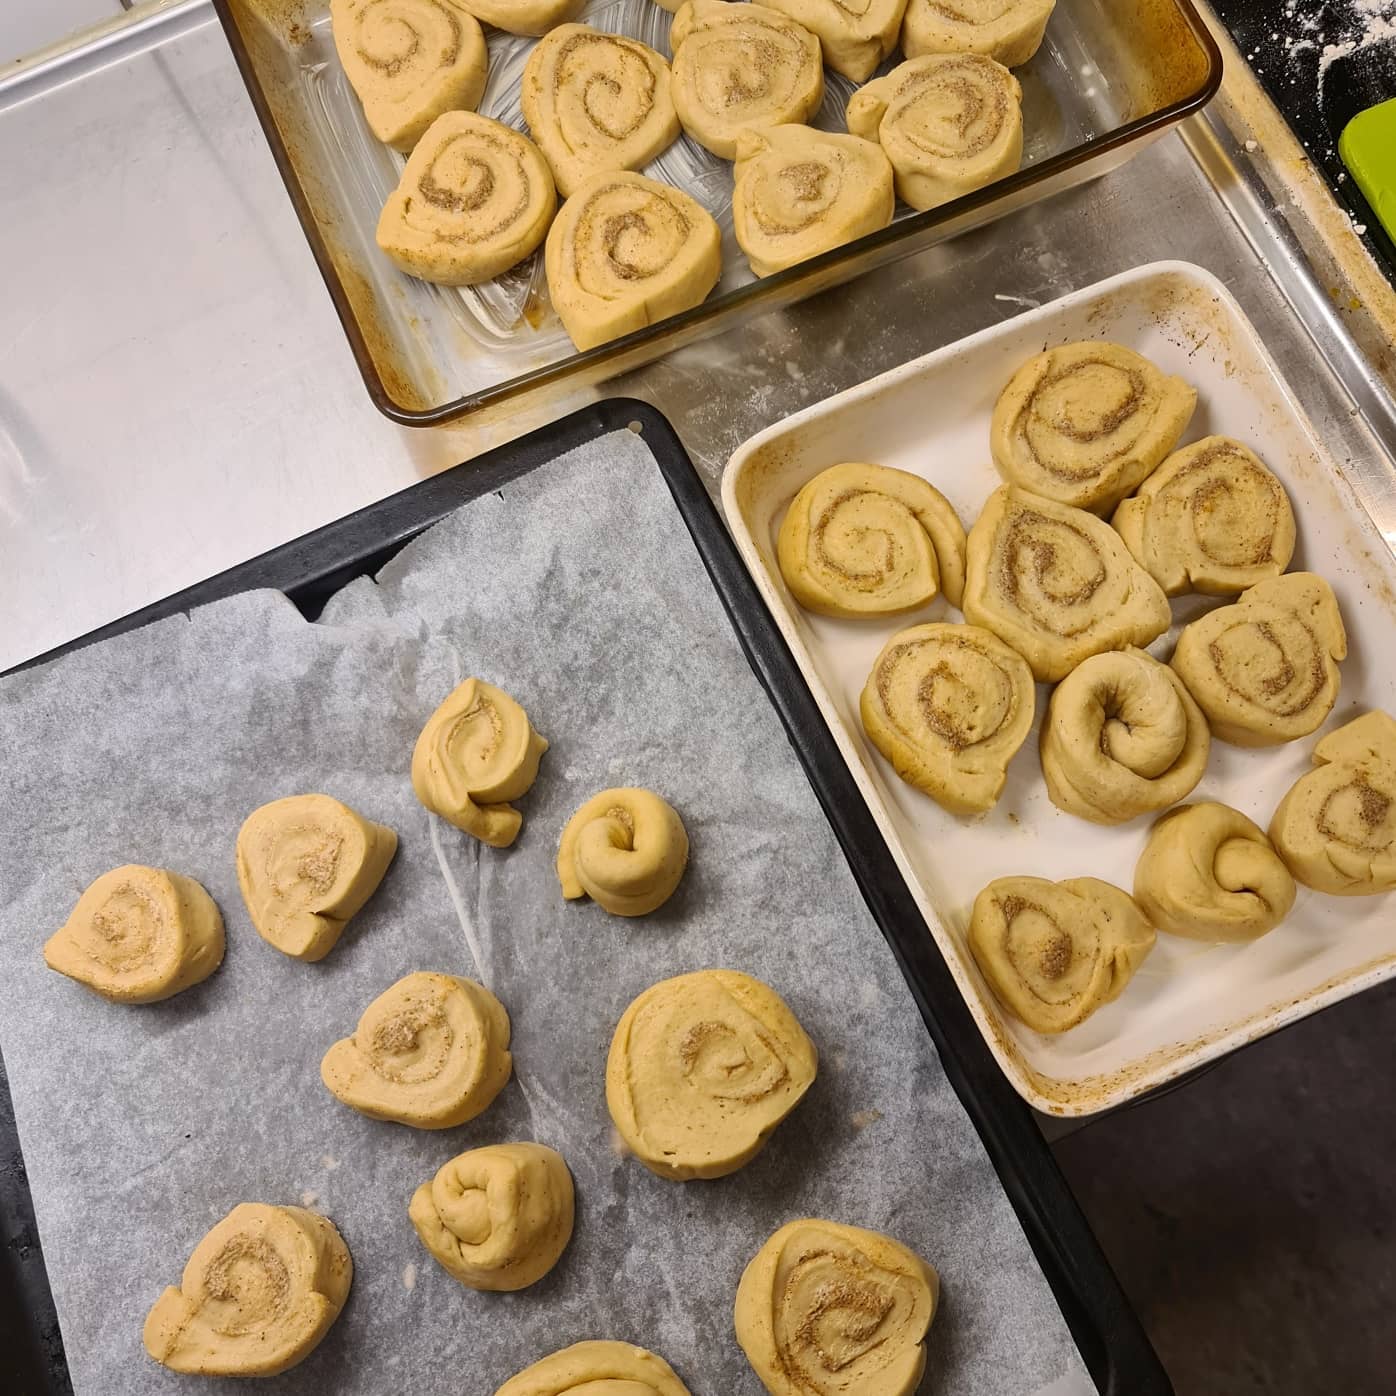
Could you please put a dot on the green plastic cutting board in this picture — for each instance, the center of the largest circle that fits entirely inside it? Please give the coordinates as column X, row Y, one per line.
column 1368, row 148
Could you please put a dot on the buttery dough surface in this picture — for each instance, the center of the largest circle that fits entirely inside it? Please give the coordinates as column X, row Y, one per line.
column 306, row 864
column 1054, row 952
column 475, row 199
column 1336, row 828
column 497, row 1218
column 477, row 752
column 626, row 849
column 528, row 17
column 831, row 1310
column 702, row 1068
column 409, row 61
column 1008, row 31
column 1208, row 873
column 597, row 1369
column 1085, row 423
column 259, row 1292
column 1057, row 583
column 950, row 123
column 1265, row 669
column 138, row 935
column 862, row 540
column 431, row 1052
column 855, row 35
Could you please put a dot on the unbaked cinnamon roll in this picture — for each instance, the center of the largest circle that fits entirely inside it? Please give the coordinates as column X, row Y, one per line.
column 950, row 123
column 626, row 849
column 1008, row 31
column 409, row 61
column 1085, row 423
column 1336, row 828
column 800, row 192
column 1054, row 952
column 1057, row 583
column 597, row 1369
column 855, row 35
column 1265, row 669
column 527, row 17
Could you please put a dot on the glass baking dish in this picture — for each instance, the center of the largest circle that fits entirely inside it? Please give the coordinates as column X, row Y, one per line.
column 1111, row 76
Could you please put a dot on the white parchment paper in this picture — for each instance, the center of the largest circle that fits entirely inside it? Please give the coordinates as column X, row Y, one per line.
column 579, row 591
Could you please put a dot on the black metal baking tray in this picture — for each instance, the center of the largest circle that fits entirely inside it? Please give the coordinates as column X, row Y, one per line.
column 1112, row 1342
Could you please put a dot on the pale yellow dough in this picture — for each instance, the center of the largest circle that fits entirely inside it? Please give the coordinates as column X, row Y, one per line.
column 948, row 705
column 1122, row 738
column 1208, row 873
column 431, row 1052
column 625, row 252
column 306, row 864
column 855, row 35
column 527, row 17
column 258, row 1294
column 702, row 1069
column 596, row 103
column 831, row 1310
column 1054, row 952
column 475, row 199
column 866, row 540
column 497, row 1218
column 597, row 1369
column 1336, row 828
column 1008, row 31
column 799, row 192
column 1085, row 423
column 409, row 61
column 138, row 935
column 1265, row 669
column 1057, row 584
column 950, row 124
column 626, row 849
column 741, row 67
column 1211, row 518
column 477, row 752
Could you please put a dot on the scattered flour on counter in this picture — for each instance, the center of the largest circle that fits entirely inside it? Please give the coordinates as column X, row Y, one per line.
column 308, row 1198
column 409, row 1276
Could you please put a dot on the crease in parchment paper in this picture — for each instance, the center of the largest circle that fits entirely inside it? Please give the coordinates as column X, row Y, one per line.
column 579, row 592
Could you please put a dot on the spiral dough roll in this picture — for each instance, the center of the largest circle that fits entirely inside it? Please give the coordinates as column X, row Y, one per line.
column 597, row 1369
column 527, row 17
column 431, row 1052
column 854, row 35
column 258, row 1294
column 1208, row 873
column 497, row 1218
column 1054, row 952
column 138, row 935
column 831, row 1310
column 1336, row 828
column 702, row 1069
column 950, row 123
column 1008, row 31
column 409, row 61
column 1123, row 737
column 626, row 849
column 1265, row 669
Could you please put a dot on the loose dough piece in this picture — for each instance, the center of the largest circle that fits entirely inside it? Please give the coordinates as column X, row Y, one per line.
column 626, row 252
column 431, row 1052
column 475, row 199
column 1057, row 583
column 866, row 540
column 1208, row 873
column 702, row 1069
column 477, row 752
column 1211, row 518
column 626, row 849
column 1008, row 31
column 528, row 17
column 306, row 864
column 948, row 705
column 831, row 1310
column 1085, row 423
column 409, row 61
column 258, row 1294
column 800, row 192
column 855, row 35
column 741, row 67
column 596, row 103
column 1123, row 737
column 597, row 1369
column 1265, row 669
column 950, row 124
column 1336, row 828
column 1054, row 952
column 138, row 935
column 497, row 1218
